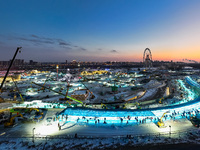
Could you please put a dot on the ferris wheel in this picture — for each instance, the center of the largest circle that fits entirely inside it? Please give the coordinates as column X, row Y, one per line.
column 147, row 58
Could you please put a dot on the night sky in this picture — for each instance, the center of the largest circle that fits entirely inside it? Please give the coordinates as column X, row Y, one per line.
column 100, row 30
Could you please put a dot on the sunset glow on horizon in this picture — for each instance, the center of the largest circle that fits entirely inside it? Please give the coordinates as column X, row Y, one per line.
column 100, row 30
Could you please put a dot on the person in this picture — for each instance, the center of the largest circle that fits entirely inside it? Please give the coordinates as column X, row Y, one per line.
column 66, row 117
column 75, row 135
column 59, row 127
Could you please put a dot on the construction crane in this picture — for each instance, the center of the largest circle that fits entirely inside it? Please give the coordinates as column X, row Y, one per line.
column 36, row 109
column 160, row 123
column 44, row 82
column 104, row 106
column 23, row 110
column 65, row 98
column 88, row 89
column 18, row 49
column 11, row 120
column 59, row 93
column 161, row 100
column 17, row 89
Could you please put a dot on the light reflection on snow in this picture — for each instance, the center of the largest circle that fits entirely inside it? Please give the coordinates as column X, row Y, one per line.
column 46, row 130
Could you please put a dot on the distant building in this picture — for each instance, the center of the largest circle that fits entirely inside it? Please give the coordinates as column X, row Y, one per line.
column 31, row 62
column 18, row 62
column 4, row 63
column 74, row 62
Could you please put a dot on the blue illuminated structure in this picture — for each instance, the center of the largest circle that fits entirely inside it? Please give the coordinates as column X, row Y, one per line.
column 115, row 116
column 106, row 113
column 192, row 82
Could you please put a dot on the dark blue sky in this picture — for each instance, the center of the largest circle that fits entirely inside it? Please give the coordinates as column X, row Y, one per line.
column 100, row 30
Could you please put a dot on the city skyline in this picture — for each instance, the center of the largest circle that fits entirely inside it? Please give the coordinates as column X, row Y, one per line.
column 100, row 30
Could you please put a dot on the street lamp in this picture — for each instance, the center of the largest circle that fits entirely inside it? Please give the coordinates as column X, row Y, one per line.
column 79, row 68
column 33, row 134
column 57, row 67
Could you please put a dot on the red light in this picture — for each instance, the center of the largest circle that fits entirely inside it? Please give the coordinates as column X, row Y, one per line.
column 79, row 77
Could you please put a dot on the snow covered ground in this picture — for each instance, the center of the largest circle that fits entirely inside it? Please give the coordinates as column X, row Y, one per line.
column 90, row 143
column 94, row 137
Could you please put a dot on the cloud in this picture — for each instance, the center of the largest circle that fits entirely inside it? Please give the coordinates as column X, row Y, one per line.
column 64, row 44
column 35, row 36
column 99, row 49
column 67, row 48
column 113, row 51
column 37, row 40
column 46, row 40
column 42, row 38
column 83, row 49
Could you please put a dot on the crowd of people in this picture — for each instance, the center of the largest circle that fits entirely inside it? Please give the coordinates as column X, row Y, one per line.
column 126, row 120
